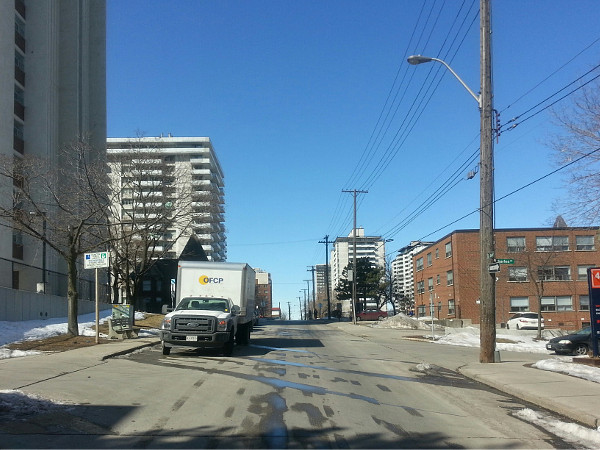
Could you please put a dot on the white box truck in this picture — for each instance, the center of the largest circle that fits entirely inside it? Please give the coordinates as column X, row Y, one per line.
column 214, row 306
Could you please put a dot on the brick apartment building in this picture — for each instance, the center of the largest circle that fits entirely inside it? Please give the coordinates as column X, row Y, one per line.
column 548, row 262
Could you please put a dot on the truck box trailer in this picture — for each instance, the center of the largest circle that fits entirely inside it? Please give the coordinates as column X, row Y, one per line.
column 214, row 305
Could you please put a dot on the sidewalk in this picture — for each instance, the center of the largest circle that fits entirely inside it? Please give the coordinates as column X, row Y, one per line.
column 569, row 396
column 18, row 373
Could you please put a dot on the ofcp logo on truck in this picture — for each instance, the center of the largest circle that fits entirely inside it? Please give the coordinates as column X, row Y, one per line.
column 204, row 279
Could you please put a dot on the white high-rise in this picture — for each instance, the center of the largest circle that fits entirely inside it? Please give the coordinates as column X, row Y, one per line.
column 195, row 157
column 402, row 270
column 370, row 247
column 52, row 93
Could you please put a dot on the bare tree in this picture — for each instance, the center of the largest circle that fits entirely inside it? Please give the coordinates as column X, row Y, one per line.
column 540, row 270
column 61, row 205
column 153, row 205
column 578, row 144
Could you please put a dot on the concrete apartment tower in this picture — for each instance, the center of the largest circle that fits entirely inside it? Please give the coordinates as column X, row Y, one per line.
column 52, row 92
column 195, row 159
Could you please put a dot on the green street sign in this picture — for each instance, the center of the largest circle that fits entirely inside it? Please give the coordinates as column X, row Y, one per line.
column 505, row 261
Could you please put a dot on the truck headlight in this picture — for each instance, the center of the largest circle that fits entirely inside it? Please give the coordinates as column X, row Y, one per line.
column 221, row 325
column 166, row 323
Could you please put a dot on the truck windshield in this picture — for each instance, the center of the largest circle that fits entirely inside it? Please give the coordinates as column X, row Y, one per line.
column 210, row 304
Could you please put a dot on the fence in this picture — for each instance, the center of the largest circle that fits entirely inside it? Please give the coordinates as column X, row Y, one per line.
column 17, row 305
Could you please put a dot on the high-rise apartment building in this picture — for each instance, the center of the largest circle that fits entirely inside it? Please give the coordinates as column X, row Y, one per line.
column 369, row 247
column 52, row 93
column 178, row 166
column 402, row 275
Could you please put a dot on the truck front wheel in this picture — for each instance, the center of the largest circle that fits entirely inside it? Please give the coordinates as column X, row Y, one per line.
column 228, row 347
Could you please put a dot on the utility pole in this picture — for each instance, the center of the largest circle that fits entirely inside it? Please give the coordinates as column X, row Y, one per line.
column 300, row 307
column 312, row 269
column 308, row 296
column 305, row 309
column 354, row 192
column 486, row 230
column 289, row 311
column 326, row 242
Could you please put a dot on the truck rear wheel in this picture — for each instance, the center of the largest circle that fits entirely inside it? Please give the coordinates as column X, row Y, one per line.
column 166, row 350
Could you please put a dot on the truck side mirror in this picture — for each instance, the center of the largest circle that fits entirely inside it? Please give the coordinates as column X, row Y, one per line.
column 235, row 309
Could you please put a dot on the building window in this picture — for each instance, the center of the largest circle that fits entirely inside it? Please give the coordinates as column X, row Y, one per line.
column 437, row 280
column 429, row 259
column 584, row 303
column 430, row 284
column 448, row 249
column 554, row 273
column 517, row 274
column 420, row 310
column 552, row 243
column 515, row 244
column 582, row 272
column 451, row 310
column 419, row 264
column 558, row 303
column 518, row 304
column 146, row 285
column 420, row 287
column 585, row 242
column 437, row 253
column 449, row 278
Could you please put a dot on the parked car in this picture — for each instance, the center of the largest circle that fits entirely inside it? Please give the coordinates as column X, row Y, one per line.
column 524, row 321
column 371, row 314
column 577, row 343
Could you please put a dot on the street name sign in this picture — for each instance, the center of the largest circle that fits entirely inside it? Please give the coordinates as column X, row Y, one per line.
column 505, row 261
column 96, row 260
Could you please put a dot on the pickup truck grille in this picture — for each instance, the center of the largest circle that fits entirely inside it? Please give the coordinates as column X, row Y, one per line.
column 194, row 324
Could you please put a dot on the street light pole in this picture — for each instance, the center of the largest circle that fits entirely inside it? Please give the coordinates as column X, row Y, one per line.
column 487, row 337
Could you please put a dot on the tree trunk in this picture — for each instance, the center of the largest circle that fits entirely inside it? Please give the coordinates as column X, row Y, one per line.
column 72, row 295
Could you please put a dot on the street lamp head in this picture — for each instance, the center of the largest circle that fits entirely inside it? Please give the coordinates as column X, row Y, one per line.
column 418, row 59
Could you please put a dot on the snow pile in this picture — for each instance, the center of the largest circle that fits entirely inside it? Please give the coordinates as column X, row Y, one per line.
column 402, row 321
column 469, row 337
column 564, row 365
column 570, row 432
column 32, row 330
column 16, row 403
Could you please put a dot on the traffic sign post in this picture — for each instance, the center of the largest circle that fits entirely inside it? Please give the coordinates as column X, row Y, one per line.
column 594, row 290
column 96, row 261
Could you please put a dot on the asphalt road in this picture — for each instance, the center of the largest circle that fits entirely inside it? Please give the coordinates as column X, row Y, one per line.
column 297, row 385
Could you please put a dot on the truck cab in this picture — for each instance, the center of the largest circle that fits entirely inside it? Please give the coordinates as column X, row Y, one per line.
column 200, row 322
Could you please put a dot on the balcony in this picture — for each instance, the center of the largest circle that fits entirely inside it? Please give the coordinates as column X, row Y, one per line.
column 19, row 110
column 20, row 76
column 20, row 41
column 20, row 8
column 18, row 144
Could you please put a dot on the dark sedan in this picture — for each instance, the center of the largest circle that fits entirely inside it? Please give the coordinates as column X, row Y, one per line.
column 577, row 343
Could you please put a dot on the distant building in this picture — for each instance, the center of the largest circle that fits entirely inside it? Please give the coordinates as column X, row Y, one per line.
column 321, row 276
column 52, row 93
column 192, row 155
column 369, row 247
column 402, row 275
column 263, row 293
column 550, row 263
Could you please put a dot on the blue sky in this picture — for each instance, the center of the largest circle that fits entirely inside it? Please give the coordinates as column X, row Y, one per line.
column 303, row 99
